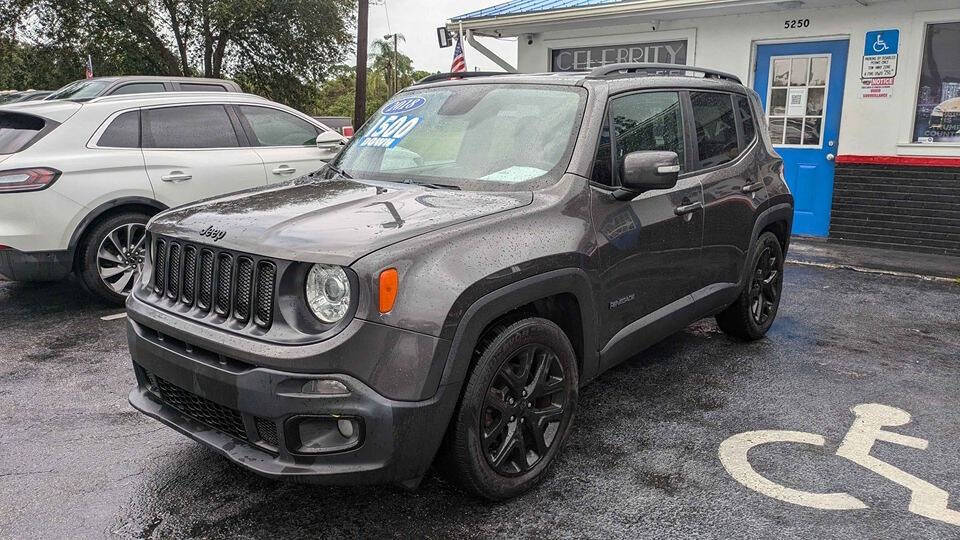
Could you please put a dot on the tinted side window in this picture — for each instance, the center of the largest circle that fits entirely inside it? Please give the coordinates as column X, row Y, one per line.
column 648, row 121
column 277, row 128
column 197, row 87
column 191, row 126
column 716, row 128
column 17, row 131
column 123, row 132
column 139, row 88
column 747, row 125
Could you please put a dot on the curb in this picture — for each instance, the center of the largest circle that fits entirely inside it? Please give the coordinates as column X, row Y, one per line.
column 876, row 271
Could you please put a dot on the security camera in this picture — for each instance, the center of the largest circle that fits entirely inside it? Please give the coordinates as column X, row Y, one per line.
column 529, row 39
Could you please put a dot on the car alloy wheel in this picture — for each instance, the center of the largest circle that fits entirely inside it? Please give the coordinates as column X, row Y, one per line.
column 120, row 257
column 522, row 410
column 765, row 286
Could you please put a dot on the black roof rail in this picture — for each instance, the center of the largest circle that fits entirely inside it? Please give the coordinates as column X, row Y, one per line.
column 461, row 75
column 643, row 68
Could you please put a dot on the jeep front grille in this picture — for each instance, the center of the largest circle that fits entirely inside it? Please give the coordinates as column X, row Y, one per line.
column 238, row 288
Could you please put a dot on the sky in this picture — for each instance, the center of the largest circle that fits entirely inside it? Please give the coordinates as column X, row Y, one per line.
column 418, row 20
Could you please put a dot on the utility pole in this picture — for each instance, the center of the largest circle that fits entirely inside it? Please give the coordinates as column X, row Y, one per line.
column 360, row 94
column 396, row 67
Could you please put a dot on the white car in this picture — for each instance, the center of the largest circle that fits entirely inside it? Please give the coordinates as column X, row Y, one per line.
column 79, row 181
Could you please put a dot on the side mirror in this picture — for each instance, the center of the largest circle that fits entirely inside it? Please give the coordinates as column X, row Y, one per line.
column 328, row 140
column 646, row 170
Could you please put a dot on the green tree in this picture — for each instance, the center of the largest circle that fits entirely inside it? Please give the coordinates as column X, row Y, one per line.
column 281, row 48
column 335, row 96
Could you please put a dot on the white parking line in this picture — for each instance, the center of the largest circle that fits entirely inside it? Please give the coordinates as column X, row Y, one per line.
column 113, row 317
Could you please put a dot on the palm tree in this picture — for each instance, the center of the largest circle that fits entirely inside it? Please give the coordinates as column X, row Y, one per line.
column 383, row 62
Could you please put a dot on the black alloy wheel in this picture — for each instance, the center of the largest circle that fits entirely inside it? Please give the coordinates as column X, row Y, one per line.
column 765, row 286
column 517, row 409
column 522, row 410
column 755, row 309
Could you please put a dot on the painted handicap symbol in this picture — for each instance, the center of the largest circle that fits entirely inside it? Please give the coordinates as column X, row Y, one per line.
column 880, row 45
column 925, row 499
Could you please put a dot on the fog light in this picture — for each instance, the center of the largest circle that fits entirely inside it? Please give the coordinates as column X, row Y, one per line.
column 346, row 427
column 326, row 387
column 322, row 434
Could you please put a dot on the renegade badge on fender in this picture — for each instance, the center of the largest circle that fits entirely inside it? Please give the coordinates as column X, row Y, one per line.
column 483, row 248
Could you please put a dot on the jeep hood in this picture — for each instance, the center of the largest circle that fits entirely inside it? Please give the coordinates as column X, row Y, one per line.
column 331, row 221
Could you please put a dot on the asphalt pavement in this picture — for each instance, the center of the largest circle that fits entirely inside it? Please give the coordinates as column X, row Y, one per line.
column 76, row 461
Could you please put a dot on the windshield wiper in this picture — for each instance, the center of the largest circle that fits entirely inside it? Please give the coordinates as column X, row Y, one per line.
column 428, row 184
column 340, row 172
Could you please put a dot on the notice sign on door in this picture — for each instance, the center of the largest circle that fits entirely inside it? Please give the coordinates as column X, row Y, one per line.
column 879, row 69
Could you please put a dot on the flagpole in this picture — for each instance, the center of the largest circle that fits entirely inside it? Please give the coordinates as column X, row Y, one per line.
column 463, row 49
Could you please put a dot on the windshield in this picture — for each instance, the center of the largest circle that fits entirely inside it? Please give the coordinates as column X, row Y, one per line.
column 79, row 90
column 478, row 136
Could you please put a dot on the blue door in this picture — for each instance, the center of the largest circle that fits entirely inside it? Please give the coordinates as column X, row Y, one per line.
column 801, row 87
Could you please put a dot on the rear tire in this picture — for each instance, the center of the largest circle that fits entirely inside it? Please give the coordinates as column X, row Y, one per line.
column 753, row 313
column 111, row 256
column 517, row 409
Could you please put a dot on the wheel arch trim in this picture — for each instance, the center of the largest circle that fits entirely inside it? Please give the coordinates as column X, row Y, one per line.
column 496, row 303
column 777, row 212
column 100, row 210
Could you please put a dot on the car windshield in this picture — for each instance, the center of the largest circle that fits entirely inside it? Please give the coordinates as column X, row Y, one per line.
column 79, row 90
column 472, row 136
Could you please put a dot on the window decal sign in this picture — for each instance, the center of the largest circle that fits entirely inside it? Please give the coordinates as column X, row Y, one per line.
column 403, row 106
column 389, row 131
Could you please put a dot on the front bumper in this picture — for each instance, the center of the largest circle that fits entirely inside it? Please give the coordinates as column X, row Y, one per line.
column 247, row 414
column 35, row 266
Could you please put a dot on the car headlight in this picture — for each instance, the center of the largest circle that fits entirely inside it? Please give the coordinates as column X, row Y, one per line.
column 328, row 292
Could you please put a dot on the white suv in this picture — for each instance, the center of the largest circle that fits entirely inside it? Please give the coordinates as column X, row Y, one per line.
column 79, row 181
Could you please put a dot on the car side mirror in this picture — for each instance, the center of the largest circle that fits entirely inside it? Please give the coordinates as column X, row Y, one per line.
column 329, row 140
column 646, row 170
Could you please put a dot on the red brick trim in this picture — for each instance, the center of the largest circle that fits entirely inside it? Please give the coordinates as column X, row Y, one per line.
column 913, row 161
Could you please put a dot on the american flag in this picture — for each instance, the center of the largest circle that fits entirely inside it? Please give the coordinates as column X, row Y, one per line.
column 89, row 68
column 459, row 62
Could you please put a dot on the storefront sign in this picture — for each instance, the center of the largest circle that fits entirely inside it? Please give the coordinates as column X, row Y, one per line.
column 584, row 58
column 880, row 53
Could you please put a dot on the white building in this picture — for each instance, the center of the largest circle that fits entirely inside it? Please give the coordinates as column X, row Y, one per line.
column 859, row 93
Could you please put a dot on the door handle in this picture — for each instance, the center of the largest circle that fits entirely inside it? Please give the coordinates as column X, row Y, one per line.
column 176, row 176
column 687, row 208
column 284, row 169
column 750, row 188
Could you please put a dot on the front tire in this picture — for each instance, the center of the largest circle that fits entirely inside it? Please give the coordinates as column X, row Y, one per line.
column 112, row 254
column 753, row 313
column 516, row 411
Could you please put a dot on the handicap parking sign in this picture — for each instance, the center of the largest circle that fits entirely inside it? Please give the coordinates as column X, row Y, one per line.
column 880, row 54
column 882, row 42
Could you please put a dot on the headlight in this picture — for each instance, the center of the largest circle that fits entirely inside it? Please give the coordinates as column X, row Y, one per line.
column 328, row 292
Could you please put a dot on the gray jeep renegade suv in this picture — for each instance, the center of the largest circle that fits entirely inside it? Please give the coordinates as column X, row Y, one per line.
column 483, row 248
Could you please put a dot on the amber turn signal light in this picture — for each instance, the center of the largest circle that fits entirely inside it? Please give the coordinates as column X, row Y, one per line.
column 389, row 285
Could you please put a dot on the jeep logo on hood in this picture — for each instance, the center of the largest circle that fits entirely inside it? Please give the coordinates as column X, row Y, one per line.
column 216, row 234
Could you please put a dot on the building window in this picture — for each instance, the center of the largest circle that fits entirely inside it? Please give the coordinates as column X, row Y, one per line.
column 796, row 104
column 938, row 99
